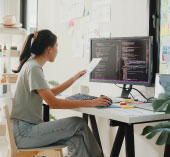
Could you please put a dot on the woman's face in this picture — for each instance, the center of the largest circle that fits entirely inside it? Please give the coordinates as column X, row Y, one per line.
column 53, row 52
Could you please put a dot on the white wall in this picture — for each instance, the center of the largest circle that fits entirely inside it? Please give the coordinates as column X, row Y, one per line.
column 9, row 7
column 128, row 18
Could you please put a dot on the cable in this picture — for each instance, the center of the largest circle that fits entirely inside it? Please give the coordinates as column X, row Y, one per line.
column 150, row 99
column 132, row 96
column 137, row 91
column 141, row 93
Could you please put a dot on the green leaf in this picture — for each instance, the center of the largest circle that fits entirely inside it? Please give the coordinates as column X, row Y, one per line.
column 146, row 130
column 164, row 128
column 52, row 117
column 162, row 139
column 153, row 133
column 53, row 83
column 159, row 104
column 167, row 109
column 162, row 125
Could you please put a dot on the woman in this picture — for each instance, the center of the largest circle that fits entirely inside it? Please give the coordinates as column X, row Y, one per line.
column 31, row 89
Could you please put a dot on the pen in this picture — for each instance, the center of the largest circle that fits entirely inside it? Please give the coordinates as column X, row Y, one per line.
column 127, row 107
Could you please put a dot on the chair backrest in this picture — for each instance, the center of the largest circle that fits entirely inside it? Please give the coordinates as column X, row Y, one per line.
column 9, row 131
column 6, row 99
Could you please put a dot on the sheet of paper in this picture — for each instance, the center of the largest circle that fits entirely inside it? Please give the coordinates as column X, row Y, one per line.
column 89, row 69
column 130, row 112
column 165, row 49
column 162, row 84
column 92, row 65
column 77, row 45
column 71, row 9
column 92, row 32
column 104, row 34
column 104, row 13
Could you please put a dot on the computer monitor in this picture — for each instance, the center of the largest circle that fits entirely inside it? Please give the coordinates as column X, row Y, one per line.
column 125, row 60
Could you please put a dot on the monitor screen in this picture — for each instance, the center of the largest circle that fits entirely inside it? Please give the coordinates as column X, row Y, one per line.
column 125, row 60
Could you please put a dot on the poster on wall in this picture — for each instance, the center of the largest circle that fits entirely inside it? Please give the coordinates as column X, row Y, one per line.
column 165, row 37
column 71, row 9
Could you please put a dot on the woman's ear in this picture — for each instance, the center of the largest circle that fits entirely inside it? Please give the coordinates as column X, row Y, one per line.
column 49, row 48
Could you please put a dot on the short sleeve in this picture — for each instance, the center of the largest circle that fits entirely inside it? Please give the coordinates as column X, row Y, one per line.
column 36, row 79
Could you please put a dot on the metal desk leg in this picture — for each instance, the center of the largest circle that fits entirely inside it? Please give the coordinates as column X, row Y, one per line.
column 46, row 111
column 129, row 140
column 167, row 150
column 94, row 128
column 118, row 142
column 85, row 117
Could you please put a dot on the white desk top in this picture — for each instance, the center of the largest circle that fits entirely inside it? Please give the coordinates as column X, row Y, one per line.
column 134, row 115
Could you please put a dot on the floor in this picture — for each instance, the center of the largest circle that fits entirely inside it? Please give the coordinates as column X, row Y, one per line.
column 3, row 147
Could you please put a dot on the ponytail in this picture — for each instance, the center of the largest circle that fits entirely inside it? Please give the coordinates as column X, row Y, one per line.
column 42, row 39
column 26, row 53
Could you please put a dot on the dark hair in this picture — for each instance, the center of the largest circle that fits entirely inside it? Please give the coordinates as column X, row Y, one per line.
column 44, row 39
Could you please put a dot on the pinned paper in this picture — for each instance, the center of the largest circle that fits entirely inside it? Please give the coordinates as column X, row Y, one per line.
column 86, row 12
column 164, row 31
column 71, row 23
column 162, row 84
column 71, row 27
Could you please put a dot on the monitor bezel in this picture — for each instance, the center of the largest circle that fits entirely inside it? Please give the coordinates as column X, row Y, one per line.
column 149, row 83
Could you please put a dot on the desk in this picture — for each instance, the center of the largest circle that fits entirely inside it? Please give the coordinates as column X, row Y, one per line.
column 125, row 120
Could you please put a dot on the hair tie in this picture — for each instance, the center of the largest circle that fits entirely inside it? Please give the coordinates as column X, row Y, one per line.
column 35, row 34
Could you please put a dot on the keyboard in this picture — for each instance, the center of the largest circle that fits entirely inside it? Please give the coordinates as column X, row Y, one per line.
column 80, row 96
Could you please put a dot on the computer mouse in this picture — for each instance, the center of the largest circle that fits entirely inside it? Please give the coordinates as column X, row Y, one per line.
column 109, row 100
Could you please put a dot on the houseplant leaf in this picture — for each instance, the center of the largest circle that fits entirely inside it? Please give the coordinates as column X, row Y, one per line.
column 146, row 130
column 162, row 139
column 153, row 133
column 53, row 83
column 160, row 104
column 164, row 128
column 167, row 109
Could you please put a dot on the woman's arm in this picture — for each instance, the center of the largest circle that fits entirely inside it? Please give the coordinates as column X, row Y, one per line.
column 59, row 89
column 56, row 103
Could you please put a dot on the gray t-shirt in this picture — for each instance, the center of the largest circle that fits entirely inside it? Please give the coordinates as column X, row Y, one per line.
column 27, row 102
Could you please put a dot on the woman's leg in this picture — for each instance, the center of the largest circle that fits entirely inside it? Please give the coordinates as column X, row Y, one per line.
column 68, row 131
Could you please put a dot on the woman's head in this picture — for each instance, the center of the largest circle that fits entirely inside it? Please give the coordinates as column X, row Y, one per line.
column 44, row 43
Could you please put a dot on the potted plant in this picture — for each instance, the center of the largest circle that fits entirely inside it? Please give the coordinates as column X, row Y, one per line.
column 54, row 84
column 162, row 104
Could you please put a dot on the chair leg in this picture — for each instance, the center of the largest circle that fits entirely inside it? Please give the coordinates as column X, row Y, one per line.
column 50, row 153
column 27, row 153
column 42, row 153
column 9, row 153
column 61, row 152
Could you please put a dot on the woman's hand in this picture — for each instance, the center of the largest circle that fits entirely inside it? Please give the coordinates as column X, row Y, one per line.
column 100, row 101
column 79, row 74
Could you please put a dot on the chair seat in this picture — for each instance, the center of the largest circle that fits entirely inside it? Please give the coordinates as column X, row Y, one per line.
column 46, row 147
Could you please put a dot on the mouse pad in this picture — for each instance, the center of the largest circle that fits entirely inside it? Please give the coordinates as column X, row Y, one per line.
column 110, row 106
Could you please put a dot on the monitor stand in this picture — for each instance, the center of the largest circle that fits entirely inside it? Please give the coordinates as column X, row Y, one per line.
column 126, row 91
